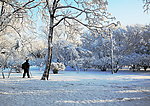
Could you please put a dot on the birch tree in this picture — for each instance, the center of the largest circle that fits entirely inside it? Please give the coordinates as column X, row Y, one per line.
column 91, row 14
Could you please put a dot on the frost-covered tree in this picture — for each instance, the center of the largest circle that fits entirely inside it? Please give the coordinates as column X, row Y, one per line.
column 91, row 14
column 9, row 52
column 17, row 26
column 128, row 38
column 100, row 47
column 13, row 12
column 132, row 45
column 65, row 52
column 71, row 54
column 14, row 50
column 128, row 43
column 16, row 19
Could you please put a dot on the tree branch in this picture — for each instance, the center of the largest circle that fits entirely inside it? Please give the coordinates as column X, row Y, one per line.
column 20, row 8
column 14, row 30
column 61, row 7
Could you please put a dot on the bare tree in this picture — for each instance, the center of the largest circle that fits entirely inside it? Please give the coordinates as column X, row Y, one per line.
column 91, row 14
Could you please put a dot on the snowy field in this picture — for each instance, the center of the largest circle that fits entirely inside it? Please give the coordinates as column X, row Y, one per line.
column 70, row 88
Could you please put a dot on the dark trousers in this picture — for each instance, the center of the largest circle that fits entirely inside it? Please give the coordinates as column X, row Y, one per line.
column 26, row 71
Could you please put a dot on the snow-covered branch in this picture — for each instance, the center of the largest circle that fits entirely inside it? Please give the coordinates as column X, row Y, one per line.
column 14, row 10
column 146, row 5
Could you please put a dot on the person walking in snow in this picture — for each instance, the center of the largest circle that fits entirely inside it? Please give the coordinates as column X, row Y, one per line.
column 26, row 66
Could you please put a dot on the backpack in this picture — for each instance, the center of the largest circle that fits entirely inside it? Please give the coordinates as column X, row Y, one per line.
column 23, row 66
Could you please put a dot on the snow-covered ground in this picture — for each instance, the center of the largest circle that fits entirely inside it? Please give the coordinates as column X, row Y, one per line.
column 71, row 88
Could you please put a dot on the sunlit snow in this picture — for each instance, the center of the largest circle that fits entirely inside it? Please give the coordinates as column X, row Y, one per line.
column 76, row 88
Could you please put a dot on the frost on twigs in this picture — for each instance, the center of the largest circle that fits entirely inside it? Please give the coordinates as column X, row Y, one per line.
column 146, row 5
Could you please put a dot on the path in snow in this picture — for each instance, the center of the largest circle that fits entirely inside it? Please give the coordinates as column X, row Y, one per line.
column 69, row 88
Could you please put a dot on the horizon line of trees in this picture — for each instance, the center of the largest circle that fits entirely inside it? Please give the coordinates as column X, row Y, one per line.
column 131, row 47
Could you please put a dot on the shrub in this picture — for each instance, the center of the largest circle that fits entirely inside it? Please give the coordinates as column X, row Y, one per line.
column 57, row 67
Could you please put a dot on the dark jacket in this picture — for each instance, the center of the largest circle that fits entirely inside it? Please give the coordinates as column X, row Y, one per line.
column 25, row 65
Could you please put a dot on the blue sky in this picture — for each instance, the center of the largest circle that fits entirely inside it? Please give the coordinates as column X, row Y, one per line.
column 129, row 12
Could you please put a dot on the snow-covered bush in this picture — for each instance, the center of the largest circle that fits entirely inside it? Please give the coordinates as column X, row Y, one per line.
column 57, row 67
